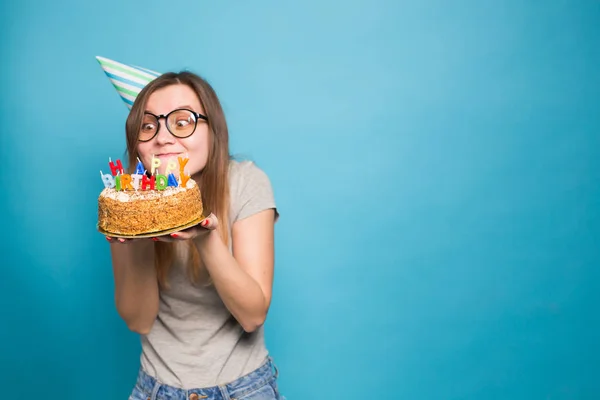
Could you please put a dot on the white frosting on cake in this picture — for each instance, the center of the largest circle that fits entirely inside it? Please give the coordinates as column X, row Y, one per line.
column 130, row 195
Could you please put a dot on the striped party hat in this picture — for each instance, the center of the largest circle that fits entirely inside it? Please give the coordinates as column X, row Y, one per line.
column 129, row 80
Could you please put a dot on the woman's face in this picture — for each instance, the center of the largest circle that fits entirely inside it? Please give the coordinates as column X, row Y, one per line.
column 164, row 145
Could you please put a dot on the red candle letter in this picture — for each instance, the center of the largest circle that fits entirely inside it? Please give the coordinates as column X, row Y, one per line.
column 115, row 168
column 147, row 182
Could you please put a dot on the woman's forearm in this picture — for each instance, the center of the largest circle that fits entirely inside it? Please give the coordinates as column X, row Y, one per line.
column 136, row 284
column 241, row 294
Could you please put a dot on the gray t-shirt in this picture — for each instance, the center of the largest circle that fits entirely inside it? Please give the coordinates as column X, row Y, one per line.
column 195, row 341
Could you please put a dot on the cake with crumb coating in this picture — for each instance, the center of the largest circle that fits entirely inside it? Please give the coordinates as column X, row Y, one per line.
column 134, row 212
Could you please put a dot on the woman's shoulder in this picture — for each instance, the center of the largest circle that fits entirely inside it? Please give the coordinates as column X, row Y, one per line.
column 250, row 188
column 243, row 172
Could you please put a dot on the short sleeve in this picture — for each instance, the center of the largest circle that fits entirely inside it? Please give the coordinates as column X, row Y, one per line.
column 251, row 191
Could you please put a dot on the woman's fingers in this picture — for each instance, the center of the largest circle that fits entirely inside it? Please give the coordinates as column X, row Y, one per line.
column 208, row 224
column 211, row 222
column 116, row 240
column 183, row 235
column 166, row 238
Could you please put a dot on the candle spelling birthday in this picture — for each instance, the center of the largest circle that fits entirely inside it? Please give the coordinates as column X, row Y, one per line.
column 141, row 180
column 151, row 198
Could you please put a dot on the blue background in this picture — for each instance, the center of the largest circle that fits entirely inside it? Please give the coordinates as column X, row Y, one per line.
column 436, row 165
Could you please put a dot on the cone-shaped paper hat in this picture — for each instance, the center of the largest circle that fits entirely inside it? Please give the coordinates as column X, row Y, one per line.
column 129, row 80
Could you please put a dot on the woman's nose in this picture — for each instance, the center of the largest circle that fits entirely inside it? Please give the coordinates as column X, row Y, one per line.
column 163, row 135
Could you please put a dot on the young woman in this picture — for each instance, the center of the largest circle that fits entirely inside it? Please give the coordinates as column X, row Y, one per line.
column 199, row 297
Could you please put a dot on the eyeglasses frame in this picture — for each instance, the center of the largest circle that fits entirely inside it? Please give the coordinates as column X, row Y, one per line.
column 166, row 116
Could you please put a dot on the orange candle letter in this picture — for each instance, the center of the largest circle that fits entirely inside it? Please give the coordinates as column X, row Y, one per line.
column 126, row 182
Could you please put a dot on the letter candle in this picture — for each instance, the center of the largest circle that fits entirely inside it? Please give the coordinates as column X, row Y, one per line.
column 182, row 176
column 115, row 168
column 155, row 164
column 171, row 166
column 172, row 180
column 182, row 162
column 135, row 180
column 120, row 181
column 161, row 182
column 140, row 168
column 148, row 182
column 184, row 179
column 126, row 182
column 108, row 180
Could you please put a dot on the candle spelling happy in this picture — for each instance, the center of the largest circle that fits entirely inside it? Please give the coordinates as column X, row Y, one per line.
column 119, row 180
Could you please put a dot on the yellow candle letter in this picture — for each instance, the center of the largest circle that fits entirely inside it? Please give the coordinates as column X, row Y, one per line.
column 155, row 164
column 171, row 166
column 182, row 162
column 184, row 179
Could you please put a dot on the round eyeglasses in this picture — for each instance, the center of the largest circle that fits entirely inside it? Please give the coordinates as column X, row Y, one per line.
column 181, row 123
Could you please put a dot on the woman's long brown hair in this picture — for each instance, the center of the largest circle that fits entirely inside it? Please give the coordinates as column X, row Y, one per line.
column 213, row 179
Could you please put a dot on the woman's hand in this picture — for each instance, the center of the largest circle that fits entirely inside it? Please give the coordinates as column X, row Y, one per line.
column 210, row 223
column 121, row 240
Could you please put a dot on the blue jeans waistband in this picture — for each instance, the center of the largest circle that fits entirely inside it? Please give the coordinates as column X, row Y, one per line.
column 264, row 375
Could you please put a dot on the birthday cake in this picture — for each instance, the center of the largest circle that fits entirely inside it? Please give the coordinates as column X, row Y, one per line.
column 147, row 203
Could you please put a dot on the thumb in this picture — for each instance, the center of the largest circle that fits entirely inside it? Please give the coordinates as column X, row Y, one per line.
column 211, row 222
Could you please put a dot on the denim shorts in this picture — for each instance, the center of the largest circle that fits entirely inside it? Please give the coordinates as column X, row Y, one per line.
column 260, row 384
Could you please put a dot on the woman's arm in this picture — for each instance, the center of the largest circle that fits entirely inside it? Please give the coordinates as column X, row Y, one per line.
column 136, row 284
column 244, row 280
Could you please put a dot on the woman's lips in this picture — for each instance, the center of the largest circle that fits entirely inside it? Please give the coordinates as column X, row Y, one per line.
column 167, row 155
